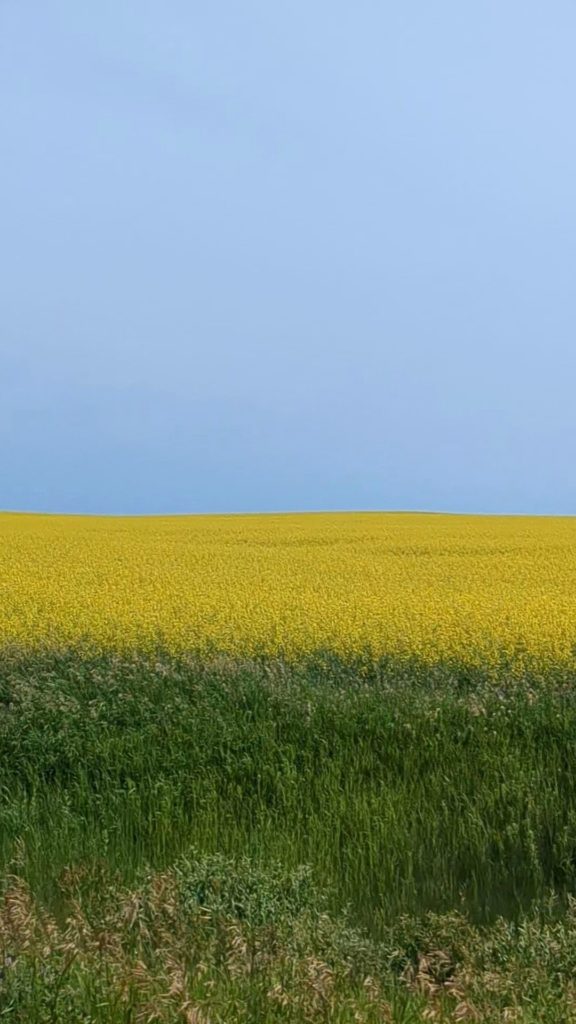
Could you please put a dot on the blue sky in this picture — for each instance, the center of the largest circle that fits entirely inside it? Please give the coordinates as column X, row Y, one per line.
column 289, row 255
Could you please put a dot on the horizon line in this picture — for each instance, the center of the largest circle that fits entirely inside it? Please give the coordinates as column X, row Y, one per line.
column 287, row 512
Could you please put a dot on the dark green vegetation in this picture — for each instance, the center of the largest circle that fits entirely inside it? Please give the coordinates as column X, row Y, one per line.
column 156, row 814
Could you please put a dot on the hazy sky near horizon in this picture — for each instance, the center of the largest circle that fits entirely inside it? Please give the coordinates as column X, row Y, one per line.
column 289, row 255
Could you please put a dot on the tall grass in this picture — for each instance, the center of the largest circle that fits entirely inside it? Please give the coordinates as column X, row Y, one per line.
column 406, row 790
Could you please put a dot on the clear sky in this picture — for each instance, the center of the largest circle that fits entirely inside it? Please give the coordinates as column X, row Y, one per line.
column 300, row 254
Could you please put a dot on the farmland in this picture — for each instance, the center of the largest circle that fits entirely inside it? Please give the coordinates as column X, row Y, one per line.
column 473, row 589
column 287, row 768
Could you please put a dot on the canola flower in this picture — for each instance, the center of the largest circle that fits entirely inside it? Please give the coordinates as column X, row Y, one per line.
column 472, row 588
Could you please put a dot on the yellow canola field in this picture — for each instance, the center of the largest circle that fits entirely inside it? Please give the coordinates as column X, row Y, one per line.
column 426, row 585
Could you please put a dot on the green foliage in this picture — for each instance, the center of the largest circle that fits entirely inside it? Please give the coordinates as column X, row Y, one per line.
column 435, row 809
column 222, row 887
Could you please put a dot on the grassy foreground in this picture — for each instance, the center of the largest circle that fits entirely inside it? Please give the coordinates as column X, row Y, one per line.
column 227, row 841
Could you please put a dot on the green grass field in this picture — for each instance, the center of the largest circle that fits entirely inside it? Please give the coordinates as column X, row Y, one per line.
column 184, row 840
